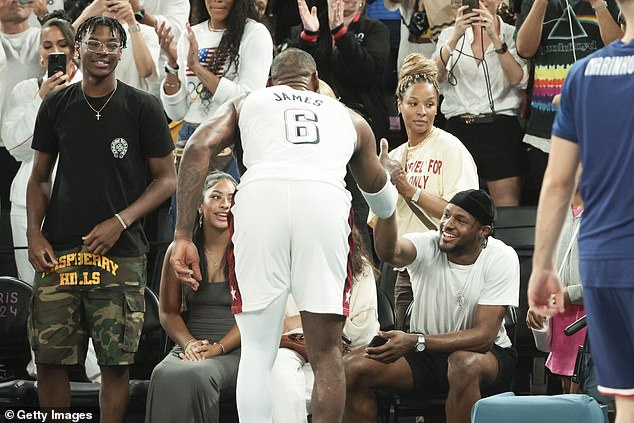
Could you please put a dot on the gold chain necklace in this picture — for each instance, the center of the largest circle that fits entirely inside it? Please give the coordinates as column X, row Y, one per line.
column 98, row 112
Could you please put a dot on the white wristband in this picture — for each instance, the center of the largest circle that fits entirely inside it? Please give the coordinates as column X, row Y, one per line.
column 382, row 203
column 120, row 219
column 416, row 195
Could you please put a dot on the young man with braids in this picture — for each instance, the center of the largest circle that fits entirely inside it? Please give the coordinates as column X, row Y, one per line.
column 291, row 224
column 90, row 253
column 463, row 281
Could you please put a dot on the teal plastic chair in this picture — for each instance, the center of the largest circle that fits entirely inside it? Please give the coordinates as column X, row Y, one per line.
column 506, row 407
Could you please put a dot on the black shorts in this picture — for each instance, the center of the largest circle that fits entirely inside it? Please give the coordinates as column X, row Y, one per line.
column 429, row 371
column 496, row 147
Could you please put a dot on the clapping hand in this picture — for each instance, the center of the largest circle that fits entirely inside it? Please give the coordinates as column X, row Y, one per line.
column 309, row 17
column 192, row 53
column 335, row 13
column 122, row 11
column 166, row 41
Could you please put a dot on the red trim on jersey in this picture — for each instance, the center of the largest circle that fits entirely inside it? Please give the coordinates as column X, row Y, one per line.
column 236, row 297
column 347, row 287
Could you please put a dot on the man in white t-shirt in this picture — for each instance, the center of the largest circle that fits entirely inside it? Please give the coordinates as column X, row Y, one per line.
column 463, row 281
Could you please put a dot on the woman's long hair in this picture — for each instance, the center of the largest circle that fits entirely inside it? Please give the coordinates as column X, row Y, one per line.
column 229, row 46
column 199, row 236
column 62, row 21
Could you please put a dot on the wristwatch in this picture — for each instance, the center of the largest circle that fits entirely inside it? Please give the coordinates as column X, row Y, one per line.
column 503, row 49
column 139, row 15
column 416, row 195
column 420, row 344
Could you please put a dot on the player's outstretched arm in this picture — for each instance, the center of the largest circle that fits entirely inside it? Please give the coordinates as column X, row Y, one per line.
column 206, row 142
column 370, row 175
column 364, row 164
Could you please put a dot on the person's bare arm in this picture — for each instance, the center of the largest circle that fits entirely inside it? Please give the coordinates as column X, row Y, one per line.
column 479, row 338
column 610, row 30
column 170, row 300
column 529, row 34
column 512, row 69
column 209, row 79
column 38, row 192
column 554, row 200
column 448, row 45
column 206, row 142
column 364, row 164
column 391, row 248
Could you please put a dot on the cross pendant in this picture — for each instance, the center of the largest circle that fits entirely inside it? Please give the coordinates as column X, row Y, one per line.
column 97, row 115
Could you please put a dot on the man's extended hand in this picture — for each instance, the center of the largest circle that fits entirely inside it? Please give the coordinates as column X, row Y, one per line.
column 398, row 343
column 392, row 166
column 545, row 294
column 186, row 262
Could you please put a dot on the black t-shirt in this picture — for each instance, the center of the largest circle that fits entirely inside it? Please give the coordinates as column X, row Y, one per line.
column 102, row 164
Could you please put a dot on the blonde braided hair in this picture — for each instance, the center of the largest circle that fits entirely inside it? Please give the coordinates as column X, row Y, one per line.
column 416, row 68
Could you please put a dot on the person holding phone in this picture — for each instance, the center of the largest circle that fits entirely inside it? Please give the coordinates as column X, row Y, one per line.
column 481, row 76
column 19, row 60
column 57, row 39
column 463, row 281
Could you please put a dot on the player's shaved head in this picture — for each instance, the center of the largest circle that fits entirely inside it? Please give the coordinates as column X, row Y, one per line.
column 292, row 64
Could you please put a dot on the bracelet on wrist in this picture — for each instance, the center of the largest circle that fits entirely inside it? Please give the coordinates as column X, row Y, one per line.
column 222, row 347
column 188, row 343
column 120, row 219
column 416, row 195
column 311, row 33
column 171, row 70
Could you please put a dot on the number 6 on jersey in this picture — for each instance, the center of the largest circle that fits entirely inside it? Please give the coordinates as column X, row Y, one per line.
column 301, row 126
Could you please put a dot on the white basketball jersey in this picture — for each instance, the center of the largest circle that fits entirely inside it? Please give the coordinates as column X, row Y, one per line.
column 295, row 135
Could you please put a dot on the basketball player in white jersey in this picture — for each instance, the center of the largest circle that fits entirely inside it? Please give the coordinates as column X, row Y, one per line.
column 290, row 224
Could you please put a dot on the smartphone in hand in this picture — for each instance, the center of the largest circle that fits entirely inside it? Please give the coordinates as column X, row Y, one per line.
column 56, row 63
column 377, row 341
column 472, row 4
